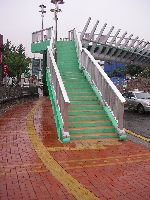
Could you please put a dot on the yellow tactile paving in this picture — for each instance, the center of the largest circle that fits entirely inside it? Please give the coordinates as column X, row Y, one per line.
column 71, row 184
column 137, row 135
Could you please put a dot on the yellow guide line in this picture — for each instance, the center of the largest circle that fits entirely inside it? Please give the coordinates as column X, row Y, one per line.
column 71, row 184
column 137, row 135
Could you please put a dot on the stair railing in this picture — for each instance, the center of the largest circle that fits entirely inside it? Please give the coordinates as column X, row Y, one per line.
column 73, row 35
column 61, row 98
column 112, row 97
column 42, row 35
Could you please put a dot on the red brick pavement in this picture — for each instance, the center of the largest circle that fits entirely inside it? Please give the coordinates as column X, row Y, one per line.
column 115, row 172
column 22, row 174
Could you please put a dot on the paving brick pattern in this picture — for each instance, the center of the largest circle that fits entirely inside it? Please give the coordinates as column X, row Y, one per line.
column 108, row 168
column 22, row 174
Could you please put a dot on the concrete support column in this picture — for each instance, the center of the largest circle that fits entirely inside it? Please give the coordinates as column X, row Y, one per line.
column 45, row 88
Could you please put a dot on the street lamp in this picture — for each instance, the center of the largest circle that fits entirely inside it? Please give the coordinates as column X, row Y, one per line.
column 56, row 10
column 42, row 15
column 57, row 1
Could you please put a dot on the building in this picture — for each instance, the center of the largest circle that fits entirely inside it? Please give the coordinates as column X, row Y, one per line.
column 37, row 65
column 116, row 72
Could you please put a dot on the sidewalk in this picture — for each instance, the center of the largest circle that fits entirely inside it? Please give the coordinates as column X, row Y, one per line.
column 36, row 166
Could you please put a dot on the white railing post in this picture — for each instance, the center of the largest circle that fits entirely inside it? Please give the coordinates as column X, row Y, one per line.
column 65, row 115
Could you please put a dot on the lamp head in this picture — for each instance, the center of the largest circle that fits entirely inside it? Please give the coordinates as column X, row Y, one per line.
column 57, row 1
column 42, row 6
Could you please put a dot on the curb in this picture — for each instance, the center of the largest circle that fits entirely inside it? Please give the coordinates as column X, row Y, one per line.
column 137, row 135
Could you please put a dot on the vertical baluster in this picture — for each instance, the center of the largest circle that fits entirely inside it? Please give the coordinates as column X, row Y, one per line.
column 85, row 28
column 91, row 35
column 123, row 46
column 98, row 39
column 111, row 42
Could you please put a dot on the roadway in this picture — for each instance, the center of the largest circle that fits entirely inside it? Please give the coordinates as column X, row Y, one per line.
column 139, row 125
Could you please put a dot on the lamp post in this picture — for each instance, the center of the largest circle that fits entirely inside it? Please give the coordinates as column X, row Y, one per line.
column 42, row 15
column 56, row 10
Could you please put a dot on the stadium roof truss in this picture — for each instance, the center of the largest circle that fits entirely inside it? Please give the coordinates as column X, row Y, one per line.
column 112, row 47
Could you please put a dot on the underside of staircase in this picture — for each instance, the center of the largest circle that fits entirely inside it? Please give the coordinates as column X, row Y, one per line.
column 87, row 117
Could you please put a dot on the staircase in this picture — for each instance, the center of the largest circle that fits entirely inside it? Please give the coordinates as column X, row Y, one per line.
column 87, row 117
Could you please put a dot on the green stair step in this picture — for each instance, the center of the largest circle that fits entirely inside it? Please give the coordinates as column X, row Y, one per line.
column 87, row 124
column 77, row 86
column 75, row 83
column 81, row 93
column 93, row 137
column 71, row 81
column 71, row 67
column 85, row 103
column 79, row 76
column 72, row 74
column 85, row 107
column 72, row 113
column 76, row 98
column 94, row 130
column 84, row 118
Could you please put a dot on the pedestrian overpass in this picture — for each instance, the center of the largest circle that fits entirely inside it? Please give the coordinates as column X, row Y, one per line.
column 85, row 102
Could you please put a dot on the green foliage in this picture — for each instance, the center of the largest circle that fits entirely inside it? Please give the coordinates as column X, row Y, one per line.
column 16, row 59
column 133, row 70
column 118, row 72
column 146, row 72
column 138, row 71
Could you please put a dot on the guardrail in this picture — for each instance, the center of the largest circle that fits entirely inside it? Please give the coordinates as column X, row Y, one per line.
column 111, row 95
column 78, row 45
column 61, row 98
column 42, row 35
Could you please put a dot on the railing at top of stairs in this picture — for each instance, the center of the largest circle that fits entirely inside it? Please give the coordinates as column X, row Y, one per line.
column 42, row 35
column 112, row 97
column 61, row 98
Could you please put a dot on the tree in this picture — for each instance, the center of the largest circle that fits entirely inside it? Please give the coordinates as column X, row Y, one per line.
column 120, row 71
column 133, row 70
column 16, row 59
column 146, row 72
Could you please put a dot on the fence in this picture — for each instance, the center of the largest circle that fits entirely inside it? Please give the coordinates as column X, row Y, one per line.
column 42, row 35
column 111, row 95
column 61, row 100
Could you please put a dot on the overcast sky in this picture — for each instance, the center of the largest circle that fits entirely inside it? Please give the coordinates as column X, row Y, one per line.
column 19, row 18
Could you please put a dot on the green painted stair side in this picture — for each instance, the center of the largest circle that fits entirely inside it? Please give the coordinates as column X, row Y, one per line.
column 87, row 117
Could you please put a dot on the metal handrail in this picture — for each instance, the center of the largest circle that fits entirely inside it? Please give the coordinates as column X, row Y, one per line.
column 76, row 36
column 111, row 95
column 42, row 35
column 62, row 100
